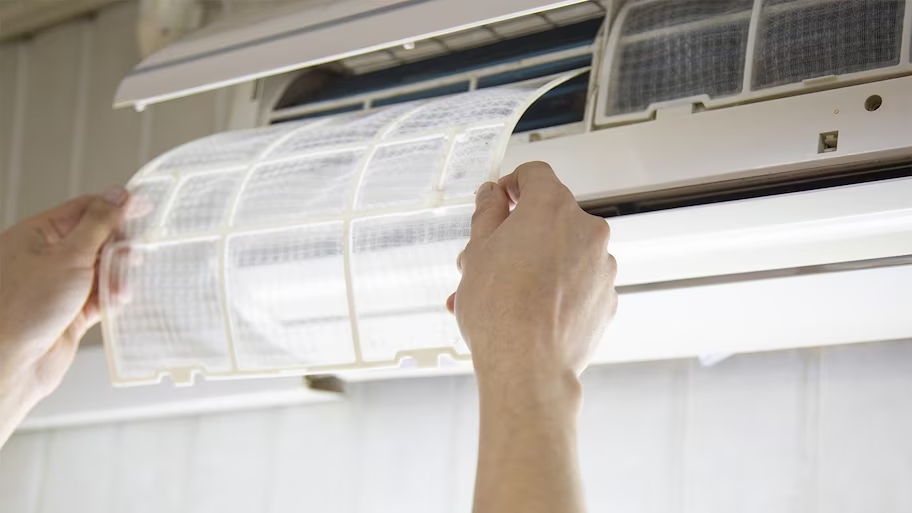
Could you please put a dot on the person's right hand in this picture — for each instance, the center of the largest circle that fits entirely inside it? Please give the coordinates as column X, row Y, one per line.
column 537, row 290
column 537, row 283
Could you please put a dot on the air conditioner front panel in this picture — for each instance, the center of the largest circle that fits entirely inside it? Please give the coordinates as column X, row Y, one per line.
column 835, row 308
column 655, row 129
column 306, row 38
column 747, row 144
column 844, row 224
column 757, row 140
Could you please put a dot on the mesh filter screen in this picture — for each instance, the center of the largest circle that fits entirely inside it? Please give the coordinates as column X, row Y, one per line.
column 662, row 14
column 801, row 40
column 724, row 52
column 709, row 62
column 306, row 247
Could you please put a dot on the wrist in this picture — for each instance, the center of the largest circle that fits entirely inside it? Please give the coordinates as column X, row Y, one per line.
column 16, row 399
column 542, row 390
column 14, row 406
column 527, row 448
column 528, row 369
column 17, row 393
column 16, row 388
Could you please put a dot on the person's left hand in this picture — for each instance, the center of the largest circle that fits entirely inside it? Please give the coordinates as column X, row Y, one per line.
column 48, row 296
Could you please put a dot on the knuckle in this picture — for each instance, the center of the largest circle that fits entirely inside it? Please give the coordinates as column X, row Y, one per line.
column 612, row 265
column 465, row 256
column 534, row 171
column 478, row 214
column 534, row 166
column 562, row 194
column 483, row 201
column 100, row 212
column 484, row 192
column 554, row 198
column 601, row 228
column 483, row 208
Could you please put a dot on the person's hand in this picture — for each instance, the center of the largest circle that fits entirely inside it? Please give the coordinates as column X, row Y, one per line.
column 48, row 299
column 537, row 290
column 537, row 283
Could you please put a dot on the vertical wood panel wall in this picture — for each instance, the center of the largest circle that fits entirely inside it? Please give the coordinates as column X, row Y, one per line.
column 59, row 136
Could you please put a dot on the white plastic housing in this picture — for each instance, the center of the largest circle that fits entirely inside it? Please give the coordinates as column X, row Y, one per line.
column 295, row 37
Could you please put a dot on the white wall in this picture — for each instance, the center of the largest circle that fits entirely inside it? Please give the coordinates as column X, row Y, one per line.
column 810, row 431
column 799, row 431
column 59, row 136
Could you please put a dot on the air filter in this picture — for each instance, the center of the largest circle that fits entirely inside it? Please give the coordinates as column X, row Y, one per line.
column 304, row 247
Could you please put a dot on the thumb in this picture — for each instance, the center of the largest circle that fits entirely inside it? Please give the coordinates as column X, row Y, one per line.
column 492, row 206
column 103, row 215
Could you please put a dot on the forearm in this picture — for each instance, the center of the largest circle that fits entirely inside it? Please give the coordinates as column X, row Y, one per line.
column 528, row 458
column 15, row 403
column 16, row 398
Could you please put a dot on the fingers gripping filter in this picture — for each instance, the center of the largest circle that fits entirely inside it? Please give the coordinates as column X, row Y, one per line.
column 304, row 247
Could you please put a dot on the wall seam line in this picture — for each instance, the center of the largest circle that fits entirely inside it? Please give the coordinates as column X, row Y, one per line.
column 77, row 149
column 17, row 140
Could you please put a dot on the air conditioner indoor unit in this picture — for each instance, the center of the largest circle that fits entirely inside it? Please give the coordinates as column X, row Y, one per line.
column 753, row 157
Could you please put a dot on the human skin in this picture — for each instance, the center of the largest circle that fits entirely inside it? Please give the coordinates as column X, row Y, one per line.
column 48, row 299
column 537, row 290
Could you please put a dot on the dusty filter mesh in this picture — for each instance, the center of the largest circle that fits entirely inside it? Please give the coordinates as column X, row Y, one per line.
column 798, row 42
column 698, row 51
column 304, row 247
